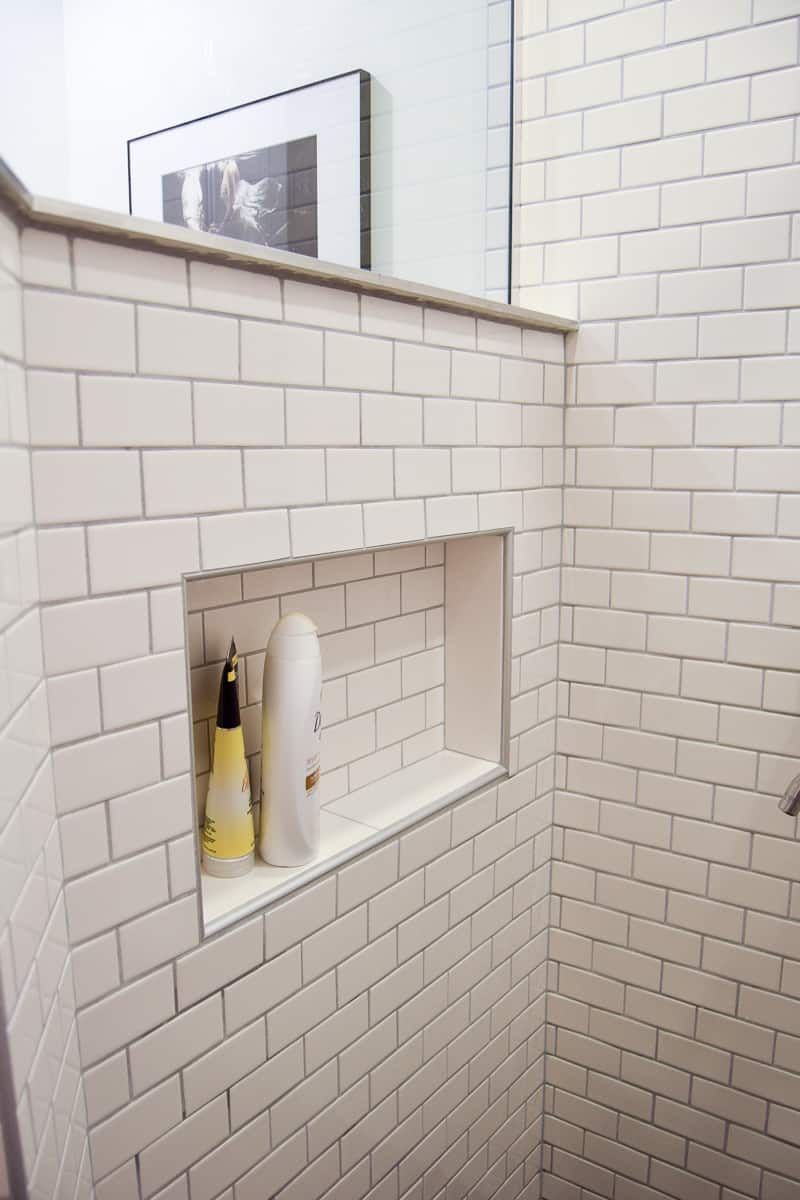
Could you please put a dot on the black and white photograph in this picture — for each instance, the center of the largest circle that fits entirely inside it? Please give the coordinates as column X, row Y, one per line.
column 289, row 172
column 266, row 196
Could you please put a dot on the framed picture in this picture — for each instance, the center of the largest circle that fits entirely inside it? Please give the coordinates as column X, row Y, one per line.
column 290, row 171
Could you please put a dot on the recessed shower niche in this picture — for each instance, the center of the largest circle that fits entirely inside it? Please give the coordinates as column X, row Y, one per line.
column 415, row 666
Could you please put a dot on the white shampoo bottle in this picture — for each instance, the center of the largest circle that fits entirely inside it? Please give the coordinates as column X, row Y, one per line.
column 291, row 728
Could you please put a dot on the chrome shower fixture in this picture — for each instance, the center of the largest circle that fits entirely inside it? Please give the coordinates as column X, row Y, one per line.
column 790, row 800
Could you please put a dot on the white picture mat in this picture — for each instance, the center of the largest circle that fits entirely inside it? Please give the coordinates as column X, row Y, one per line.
column 330, row 111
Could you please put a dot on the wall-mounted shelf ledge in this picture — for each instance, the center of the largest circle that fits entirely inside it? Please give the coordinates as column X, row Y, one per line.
column 153, row 235
column 350, row 826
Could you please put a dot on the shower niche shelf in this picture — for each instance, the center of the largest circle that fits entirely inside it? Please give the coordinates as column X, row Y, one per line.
column 415, row 643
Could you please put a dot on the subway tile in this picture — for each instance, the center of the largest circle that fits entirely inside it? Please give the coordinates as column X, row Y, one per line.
column 85, row 485
column 321, row 530
column 258, row 1089
column 728, row 243
column 575, row 89
column 76, row 331
column 115, row 894
column 125, row 1015
column 149, row 941
column 732, row 599
column 626, row 33
column 667, row 69
column 236, row 415
column 45, row 258
column 52, row 408
column 705, row 107
column 93, row 632
column 521, row 382
column 116, row 411
column 687, row 20
column 770, row 190
column 624, row 297
column 141, row 689
column 235, row 539
column 619, row 124
column 449, row 422
column 702, row 200
column 299, row 916
column 275, row 353
column 475, row 376
column 356, row 361
column 95, row 969
column 774, row 95
column 422, row 472
column 741, row 334
column 141, row 1122
column 228, row 290
column 759, row 48
column 177, row 1149
column 312, row 304
column 61, row 563
column 389, row 420
column 175, row 1043
column 180, row 482
column 359, row 475
column 106, row 1087
column 129, row 273
column 659, row 250
column 590, row 258
column 208, row 968
column 135, row 554
column 88, row 772
column 296, row 1016
column 539, row 53
column 221, row 1068
column 421, row 369
column 762, row 646
column 766, row 145
column 278, row 478
column 173, row 342
column 497, row 337
column 769, row 378
column 398, row 521
column 84, row 841
column 321, row 418
column 630, row 383
column 391, row 318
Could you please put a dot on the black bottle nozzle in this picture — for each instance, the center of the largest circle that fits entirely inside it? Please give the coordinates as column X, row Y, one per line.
column 228, row 706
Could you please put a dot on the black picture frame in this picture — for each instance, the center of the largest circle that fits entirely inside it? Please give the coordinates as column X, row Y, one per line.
column 364, row 141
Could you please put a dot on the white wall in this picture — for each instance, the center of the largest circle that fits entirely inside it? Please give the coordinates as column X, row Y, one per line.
column 33, row 117
column 416, row 1018
column 39, row 1065
column 659, row 183
column 129, row 72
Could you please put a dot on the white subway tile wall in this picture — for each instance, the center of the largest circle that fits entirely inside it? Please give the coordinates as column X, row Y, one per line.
column 657, row 194
column 382, row 1032
column 43, row 1087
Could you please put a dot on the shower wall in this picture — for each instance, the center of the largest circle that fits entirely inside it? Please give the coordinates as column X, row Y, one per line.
column 41, row 1102
column 381, row 1032
column 658, row 184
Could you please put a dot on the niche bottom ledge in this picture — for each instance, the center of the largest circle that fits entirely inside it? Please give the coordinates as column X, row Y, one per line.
column 349, row 826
